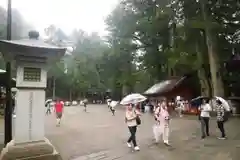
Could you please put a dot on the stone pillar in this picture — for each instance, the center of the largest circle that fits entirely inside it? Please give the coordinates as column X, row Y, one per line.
column 31, row 58
column 29, row 140
column 30, row 106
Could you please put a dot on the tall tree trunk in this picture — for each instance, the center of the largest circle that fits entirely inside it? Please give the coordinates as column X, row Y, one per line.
column 205, row 88
column 218, row 89
column 54, row 88
column 172, row 35
column 217, row 84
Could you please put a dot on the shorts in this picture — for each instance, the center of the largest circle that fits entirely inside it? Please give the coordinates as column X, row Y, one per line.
column 59, row 115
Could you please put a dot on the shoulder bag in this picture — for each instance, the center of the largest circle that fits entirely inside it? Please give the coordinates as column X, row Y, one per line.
column 138, row 120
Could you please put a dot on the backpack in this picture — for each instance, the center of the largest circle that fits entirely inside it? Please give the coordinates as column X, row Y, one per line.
column 226, row 115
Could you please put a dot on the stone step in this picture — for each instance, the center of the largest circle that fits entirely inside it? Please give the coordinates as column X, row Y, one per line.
column 44, row 157
column 93, row 156
column 103, row 155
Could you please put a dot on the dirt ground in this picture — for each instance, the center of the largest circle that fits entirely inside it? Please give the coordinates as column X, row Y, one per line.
column 99, row 135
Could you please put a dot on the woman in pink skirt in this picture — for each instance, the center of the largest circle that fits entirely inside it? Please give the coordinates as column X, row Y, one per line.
column 163, row 119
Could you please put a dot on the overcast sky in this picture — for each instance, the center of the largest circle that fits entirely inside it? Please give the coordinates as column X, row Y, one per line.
column 67, row 14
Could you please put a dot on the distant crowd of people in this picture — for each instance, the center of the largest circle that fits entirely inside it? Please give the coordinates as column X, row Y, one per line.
column 161, row 113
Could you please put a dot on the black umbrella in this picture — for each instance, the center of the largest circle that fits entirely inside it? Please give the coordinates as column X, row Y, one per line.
column 198, row 100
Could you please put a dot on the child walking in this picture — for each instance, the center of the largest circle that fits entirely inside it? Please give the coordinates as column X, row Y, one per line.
column 59, row 111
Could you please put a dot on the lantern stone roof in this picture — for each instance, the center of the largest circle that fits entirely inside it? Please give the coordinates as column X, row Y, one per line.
column 32, row 42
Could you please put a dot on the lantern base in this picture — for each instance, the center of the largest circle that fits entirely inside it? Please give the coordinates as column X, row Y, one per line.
column 40, row 150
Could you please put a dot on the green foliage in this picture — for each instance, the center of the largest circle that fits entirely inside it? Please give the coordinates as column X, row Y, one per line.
column 149, row 41
column 170, row 35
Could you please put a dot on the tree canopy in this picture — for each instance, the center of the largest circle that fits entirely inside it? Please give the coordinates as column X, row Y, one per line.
column 149, row 41
column 152, row 40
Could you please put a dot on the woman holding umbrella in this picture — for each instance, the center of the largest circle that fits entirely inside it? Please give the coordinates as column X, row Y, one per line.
column 205, row 109
column 221, row 118
column 85, row 102
column 112, row 106
column 47, row 104
column 131, row 119
column 203, row 106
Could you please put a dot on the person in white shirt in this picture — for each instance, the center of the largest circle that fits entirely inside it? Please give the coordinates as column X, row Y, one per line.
column 112, row 107
column 180, row 107
column 178, row 98
column 205, row 109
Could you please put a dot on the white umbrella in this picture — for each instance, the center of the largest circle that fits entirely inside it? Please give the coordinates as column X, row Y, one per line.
column 224, row 102
column 114, row 103
column 133, row 98
column 2, row 71
column 48, row 101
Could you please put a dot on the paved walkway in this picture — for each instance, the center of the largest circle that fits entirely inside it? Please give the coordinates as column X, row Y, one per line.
column 99, row 135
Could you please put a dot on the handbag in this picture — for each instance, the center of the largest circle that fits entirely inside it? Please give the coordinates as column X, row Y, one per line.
column 138, row 120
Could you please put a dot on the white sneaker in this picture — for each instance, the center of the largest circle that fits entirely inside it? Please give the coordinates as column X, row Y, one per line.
column 166, row 143
column 129, row 145
column 136, row 148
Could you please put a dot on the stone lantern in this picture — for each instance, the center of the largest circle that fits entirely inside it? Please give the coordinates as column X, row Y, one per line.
column 30, row 58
